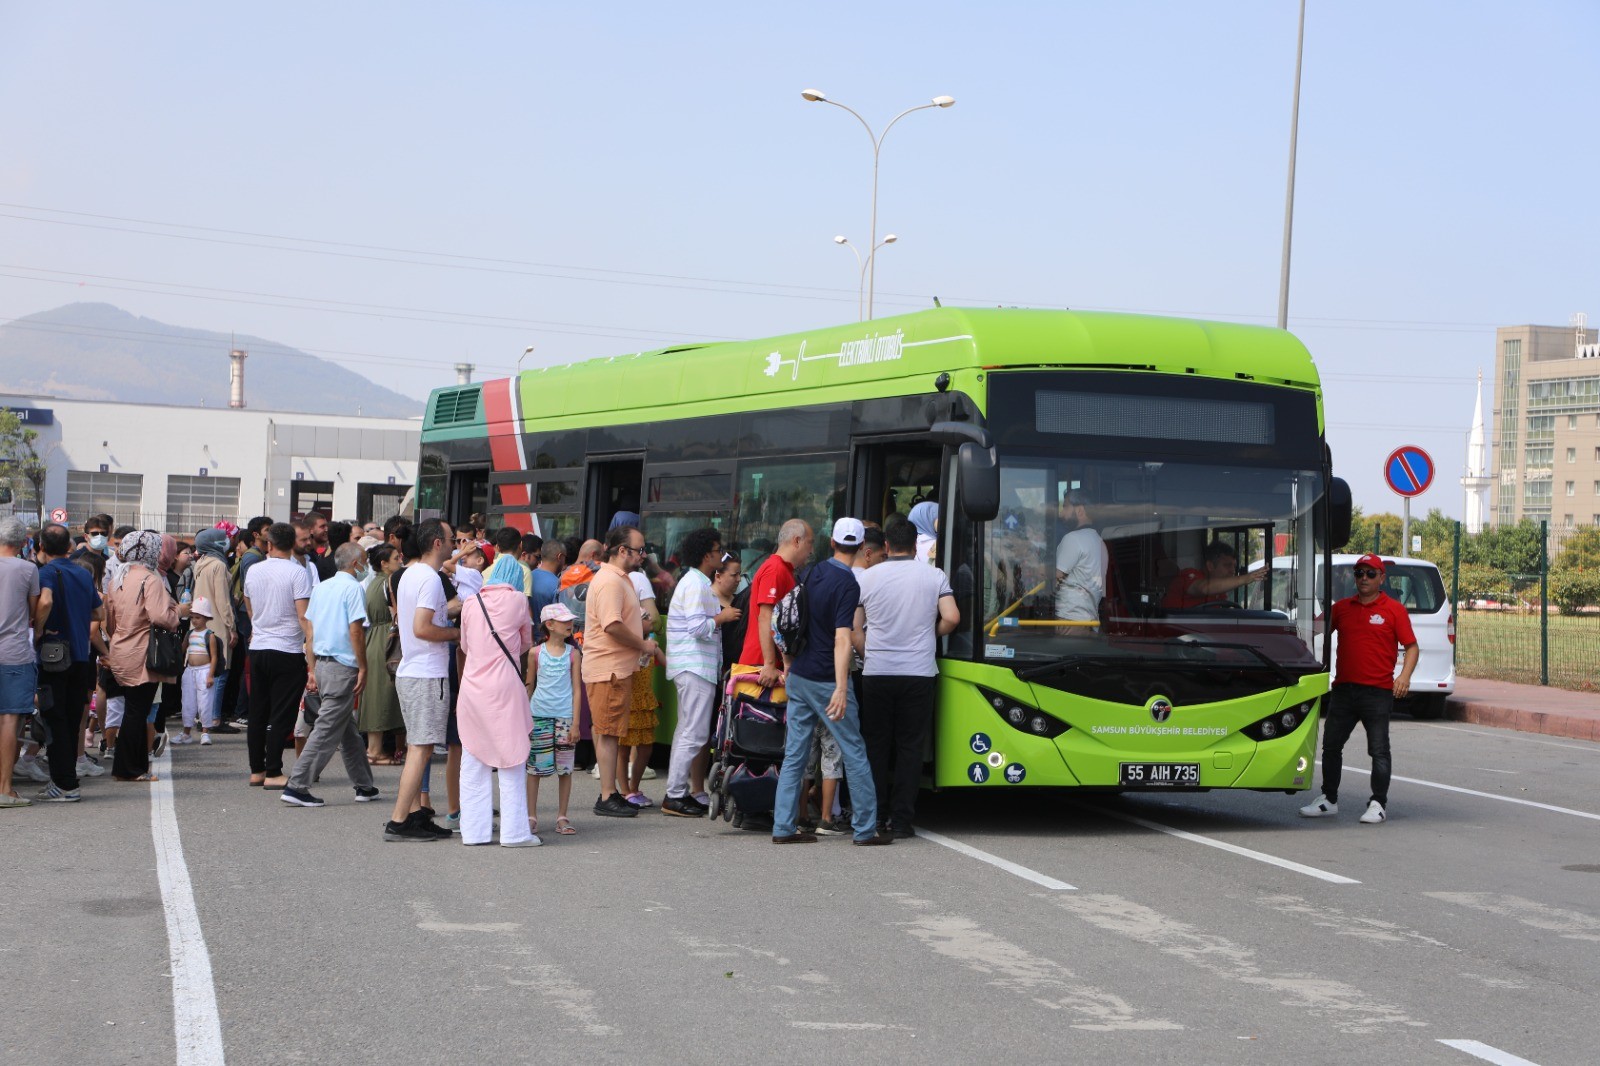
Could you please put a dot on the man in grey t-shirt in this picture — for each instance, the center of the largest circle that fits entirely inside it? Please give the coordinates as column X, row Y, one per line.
column 906, row 605
column 19, row 676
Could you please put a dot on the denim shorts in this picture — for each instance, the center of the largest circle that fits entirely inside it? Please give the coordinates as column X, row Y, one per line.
column 17, row 685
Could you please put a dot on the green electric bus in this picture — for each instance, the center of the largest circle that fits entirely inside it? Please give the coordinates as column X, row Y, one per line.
column 1177, row 433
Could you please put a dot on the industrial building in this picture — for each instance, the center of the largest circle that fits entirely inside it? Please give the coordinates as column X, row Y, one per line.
column 179, row 469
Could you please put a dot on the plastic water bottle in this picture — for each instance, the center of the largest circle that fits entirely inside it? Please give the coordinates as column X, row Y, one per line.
column 188, row 594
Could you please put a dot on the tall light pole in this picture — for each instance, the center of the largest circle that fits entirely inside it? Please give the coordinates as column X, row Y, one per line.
column 525, row 353
column 862, row 267
column 1288, row 205
column 817, row 96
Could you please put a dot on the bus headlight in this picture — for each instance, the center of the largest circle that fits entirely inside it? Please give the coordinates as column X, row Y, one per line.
column 1019, row 715
column 1280, row 723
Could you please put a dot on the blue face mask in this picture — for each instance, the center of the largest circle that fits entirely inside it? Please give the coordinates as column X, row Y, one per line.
column 98, row 542
column 363, row 573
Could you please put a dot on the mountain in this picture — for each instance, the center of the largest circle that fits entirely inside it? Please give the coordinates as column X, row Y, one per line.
column 140, row 360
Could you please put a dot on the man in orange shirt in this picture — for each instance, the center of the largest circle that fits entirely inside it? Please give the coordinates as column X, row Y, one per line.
column 612, row 648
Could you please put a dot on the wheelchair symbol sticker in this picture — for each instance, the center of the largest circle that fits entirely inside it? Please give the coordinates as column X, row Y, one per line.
column 979, row 743
column 978, row 772
column 1015, row 773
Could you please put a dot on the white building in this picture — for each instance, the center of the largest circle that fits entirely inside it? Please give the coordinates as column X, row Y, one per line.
column 180, row 469
column 1477, row 480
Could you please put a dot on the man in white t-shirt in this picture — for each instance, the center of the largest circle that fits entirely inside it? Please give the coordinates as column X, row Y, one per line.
column 422, row 682
column 276, row 591
column 1081, row 561
column 906, row 606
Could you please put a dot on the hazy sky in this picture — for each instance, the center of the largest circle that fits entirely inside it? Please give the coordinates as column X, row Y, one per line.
column 399, row 186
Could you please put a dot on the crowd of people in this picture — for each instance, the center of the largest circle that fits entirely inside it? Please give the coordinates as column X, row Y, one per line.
column 521, row 658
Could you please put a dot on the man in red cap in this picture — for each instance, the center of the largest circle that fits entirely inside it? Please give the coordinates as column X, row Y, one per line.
column 1369, row 626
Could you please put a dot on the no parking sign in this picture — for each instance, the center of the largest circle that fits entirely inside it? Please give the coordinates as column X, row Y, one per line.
column 1408, row 470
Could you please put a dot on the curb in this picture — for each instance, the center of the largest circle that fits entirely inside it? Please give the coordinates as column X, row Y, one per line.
column 1548, row 723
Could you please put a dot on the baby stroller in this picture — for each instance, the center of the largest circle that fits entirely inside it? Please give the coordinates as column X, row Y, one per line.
column 746, row 750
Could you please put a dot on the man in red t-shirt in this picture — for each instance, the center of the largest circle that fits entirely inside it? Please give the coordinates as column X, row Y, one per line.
column 774, row 578
column 1196, row 588
column 1369, row 625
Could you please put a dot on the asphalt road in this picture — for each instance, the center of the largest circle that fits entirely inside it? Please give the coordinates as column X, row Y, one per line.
column 1257, row 938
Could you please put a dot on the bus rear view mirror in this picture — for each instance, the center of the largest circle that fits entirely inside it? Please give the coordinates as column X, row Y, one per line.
column 979, row 473
column 1340, row 512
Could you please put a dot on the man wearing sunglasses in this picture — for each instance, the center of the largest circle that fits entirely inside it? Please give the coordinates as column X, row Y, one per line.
column 1369, row 627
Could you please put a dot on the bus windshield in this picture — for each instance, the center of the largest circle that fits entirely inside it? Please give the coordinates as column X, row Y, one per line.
column 1181, row 543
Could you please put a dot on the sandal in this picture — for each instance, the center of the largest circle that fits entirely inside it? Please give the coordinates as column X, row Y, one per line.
column 564, row 827
column 533, row 824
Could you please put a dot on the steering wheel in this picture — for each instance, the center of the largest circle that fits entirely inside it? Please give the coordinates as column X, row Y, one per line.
column 1212, row 605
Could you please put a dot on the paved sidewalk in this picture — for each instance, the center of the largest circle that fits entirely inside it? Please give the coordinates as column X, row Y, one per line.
column 1556, row 712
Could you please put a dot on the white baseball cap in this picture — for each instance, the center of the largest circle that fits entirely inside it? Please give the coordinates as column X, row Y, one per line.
column 849, row 532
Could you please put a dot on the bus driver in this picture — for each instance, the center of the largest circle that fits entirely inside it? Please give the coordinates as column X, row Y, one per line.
column 1196, row 588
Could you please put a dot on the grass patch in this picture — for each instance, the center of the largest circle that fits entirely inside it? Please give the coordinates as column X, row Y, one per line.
column 1504, row 646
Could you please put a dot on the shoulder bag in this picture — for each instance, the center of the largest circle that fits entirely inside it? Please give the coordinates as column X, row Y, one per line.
column 164, row 653
column 55, row 653
column 392, row 651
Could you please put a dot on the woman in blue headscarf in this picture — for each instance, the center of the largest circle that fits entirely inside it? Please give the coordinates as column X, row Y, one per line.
column 925, row 516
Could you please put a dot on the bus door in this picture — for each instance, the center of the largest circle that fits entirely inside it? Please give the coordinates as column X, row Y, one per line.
column 891, row 477
column 614, row 485
column 469, row 493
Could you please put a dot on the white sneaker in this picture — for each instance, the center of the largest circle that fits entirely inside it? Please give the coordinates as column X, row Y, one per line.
column 594, row 771
column 32, row 769
column 181, row 738
column 87, row 767
column 1375, row 815
column 205, row 738
column 649, row 774
column 1321, row 807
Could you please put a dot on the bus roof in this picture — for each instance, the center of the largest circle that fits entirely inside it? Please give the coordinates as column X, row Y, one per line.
column 878, row 358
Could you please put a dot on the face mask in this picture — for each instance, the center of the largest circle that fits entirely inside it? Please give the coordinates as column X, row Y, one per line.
column 98, row 542
column 363, row 573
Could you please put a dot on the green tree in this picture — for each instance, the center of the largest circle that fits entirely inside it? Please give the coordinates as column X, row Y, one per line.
column 22, row 468
column 1514, row 549
column 1581, row 551
column 1479, row 582
column 1572, row 590
column 1361, row 531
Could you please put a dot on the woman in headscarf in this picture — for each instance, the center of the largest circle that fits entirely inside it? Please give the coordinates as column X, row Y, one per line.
column 380, row 706
column 139, row 598
column 211, row 580
column 925, row 516
column 493, row 717
column 174, row 567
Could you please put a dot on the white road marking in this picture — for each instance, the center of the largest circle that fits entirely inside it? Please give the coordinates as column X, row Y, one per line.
column 1492, row 770
column 1347, row 1006
column 1223, row 845
column 1487, row 1053
column 196, row 1025
column 994, row 860
column 847, row 1026
column 1325, row 916
column 1570, row 925
column 1484, row 795
column 1015, row 969
column 428, row 921
column 1508, row 735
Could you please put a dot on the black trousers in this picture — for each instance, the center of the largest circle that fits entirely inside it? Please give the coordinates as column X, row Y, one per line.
column 69, row 691
column 896, row 714
column 1347, row 705
column 232, row 699
column 277, row 681
column 132, row 757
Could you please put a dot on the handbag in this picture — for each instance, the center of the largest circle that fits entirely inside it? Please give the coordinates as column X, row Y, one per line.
column 55, row 654
column 163, row 654
column 392, row 651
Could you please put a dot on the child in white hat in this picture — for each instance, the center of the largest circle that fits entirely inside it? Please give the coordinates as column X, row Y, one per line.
column 203, row 659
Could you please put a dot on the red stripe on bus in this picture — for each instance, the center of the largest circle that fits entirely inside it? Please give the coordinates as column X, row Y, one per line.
column 503, row 457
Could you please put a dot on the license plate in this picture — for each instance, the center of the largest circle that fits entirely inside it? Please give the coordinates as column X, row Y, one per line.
column 1160, row 774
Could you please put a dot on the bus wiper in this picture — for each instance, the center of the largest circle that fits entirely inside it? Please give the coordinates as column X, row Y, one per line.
column 1084, row 658
column 1102, row 658
column 1284, row 675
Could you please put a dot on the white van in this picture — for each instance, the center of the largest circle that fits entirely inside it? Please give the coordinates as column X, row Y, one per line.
column 1418, row 587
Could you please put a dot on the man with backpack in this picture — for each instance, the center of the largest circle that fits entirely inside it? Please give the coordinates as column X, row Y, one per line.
column 815, row 621
column 773, row 581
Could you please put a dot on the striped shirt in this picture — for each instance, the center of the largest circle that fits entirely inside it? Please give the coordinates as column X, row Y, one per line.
column 692, row 643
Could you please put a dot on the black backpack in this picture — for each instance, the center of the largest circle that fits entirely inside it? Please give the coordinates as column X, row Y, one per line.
column 791, row 619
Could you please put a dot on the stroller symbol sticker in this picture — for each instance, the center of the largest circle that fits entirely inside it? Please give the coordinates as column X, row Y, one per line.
column 980, row 743
column 1015, row 773
column 978, row 772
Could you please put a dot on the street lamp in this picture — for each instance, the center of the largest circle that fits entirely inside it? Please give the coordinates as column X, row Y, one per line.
column 817, row 96
column 1288, row 199
column 862, row 267
column 525, row 353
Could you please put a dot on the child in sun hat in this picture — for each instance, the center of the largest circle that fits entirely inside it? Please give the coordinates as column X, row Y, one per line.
column 553, row 699
column 203, row 659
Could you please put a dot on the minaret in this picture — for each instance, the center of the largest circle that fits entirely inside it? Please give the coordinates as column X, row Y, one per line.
column 1476, row 483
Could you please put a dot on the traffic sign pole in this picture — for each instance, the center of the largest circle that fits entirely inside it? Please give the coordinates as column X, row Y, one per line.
column 1405, row 527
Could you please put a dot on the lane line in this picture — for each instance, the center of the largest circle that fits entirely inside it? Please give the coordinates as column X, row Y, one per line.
column 1508, row 735
column 994, row 860
column 196, row 1025
column 1487, row 1053
column 1223, row 845
column 1484, row 795
column 1492, row 770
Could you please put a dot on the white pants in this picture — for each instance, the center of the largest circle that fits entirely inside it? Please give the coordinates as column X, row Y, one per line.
column 114, row 708
column 197, row 698
column 477, row 802
column 696, row 699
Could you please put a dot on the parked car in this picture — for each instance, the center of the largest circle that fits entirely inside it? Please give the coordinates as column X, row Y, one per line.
column 1418, row 587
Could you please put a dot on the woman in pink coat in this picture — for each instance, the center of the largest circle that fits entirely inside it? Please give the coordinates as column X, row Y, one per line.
column 492, row 715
